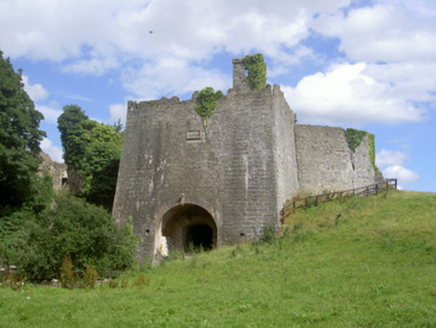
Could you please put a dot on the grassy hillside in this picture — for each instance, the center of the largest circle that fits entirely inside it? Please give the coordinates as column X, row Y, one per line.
column 356, row 263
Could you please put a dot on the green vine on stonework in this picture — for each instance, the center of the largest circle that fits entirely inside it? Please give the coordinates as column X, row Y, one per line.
column 256, row 71
column 371, row 142
column 206, row 102
column 354, row 139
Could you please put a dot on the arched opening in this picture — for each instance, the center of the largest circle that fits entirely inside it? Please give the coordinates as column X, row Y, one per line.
column 189, row 227
column 199, row 236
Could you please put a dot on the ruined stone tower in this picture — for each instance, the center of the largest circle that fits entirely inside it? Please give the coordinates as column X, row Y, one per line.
column 186, row 183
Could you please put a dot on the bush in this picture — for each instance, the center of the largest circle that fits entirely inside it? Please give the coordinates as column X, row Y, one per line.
column 81, row 232
column 256, row 71
column 206, row 102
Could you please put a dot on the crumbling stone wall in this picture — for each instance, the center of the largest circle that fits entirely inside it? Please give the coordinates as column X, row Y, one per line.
column 326, row 163
column 231, row 178
column 58, row 171
column 230, row 169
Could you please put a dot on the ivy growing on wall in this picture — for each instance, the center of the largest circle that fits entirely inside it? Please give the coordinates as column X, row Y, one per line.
column 371, row 141
column 256, row 71
column 354, row 139
column 206, row 102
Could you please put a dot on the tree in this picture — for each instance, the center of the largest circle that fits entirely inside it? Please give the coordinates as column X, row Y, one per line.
column 20, row 137
column 206, row 102
column 71, row 125
column 102, row 161
column 92, row 153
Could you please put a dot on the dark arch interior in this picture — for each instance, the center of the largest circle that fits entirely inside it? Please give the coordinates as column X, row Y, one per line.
column 199, row 236
column 189, row 227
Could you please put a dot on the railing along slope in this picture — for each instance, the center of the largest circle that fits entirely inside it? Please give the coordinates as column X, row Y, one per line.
column 366, row 191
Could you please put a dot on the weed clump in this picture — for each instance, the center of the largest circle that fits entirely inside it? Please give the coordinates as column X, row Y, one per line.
column 12, row 280
column 90, row 277
column 68, row 278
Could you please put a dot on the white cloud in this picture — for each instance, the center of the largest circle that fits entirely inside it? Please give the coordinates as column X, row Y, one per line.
column 171, row 76
column 389, row 158
column 391, row 31
column 349, row 94
column 411, row 81
column 36, row 91
column 53, row 151
column 392, row 164
column 118, row 112
column 96, row 35
column 401, row 173
column 50, row 113
column 94, row 66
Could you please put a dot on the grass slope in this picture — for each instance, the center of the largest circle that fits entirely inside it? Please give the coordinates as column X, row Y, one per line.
column 357, row 263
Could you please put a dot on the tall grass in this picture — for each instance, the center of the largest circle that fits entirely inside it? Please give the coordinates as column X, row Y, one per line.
column 357, row 263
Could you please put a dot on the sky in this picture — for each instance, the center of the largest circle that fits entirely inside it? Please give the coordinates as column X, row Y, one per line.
column 363, row 64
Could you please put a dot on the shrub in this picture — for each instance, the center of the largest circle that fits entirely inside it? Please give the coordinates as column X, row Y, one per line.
column 256, row 71
column 81, row 232
column 206, row 102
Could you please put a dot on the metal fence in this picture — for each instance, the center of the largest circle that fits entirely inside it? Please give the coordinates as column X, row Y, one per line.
column 370, row 190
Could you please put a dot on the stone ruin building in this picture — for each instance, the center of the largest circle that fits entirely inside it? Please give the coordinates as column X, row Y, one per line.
column 183, row 182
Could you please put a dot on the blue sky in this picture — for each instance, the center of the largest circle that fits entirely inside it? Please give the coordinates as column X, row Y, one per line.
column 363, row 64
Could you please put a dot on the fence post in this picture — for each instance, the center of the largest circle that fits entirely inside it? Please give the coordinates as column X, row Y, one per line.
column 396, row 181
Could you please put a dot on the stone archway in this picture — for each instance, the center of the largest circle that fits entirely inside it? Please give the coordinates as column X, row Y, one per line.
column 186, row 226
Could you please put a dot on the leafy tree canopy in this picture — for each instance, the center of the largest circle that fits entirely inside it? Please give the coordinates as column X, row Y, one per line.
column 72, row 126
column 20, row 137
column 206, row 102
column 93, row 150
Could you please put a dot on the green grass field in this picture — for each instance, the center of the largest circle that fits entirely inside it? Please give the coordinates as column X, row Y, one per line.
column 367, row 262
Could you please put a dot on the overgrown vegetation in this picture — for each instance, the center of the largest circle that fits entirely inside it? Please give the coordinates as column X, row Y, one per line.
column 256, row 71
column 354, row 138
column 364, row 262
column 85, row 234
column 92, row 152
column 19, row 141
column 206, row 102
column 371, row 143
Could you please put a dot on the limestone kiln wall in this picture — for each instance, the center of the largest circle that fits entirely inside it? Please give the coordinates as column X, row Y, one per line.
column 237, row 168
column 326, row 162
column 226, row 180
